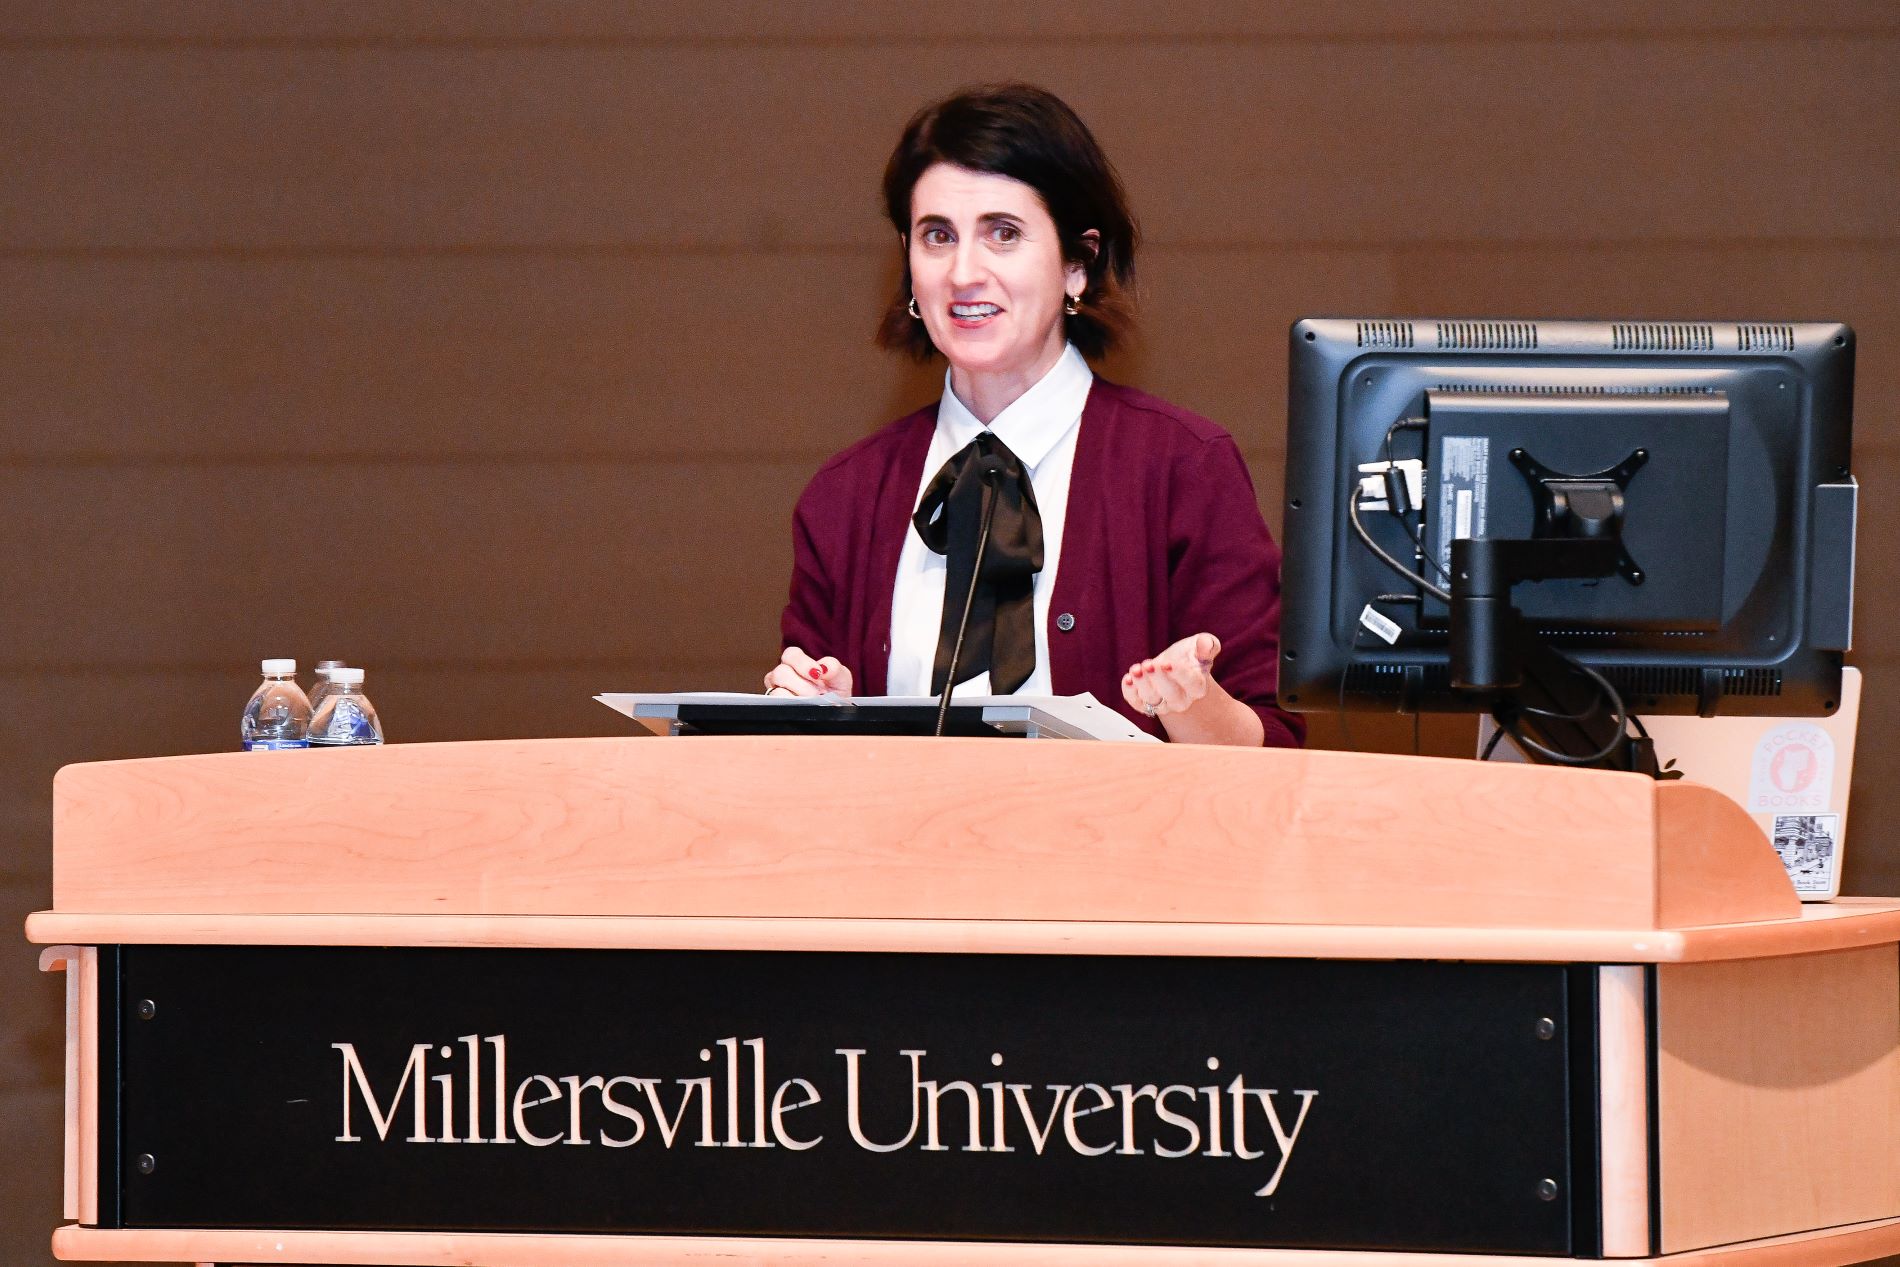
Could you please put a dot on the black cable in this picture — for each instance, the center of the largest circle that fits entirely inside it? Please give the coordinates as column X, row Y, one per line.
column 1562, row 758
column 1418, row 542
column 1417, row 422
column 1554, row 715
column 1497, row 733
column 1617, row 711
column 1352, row 514
column 1352, row 655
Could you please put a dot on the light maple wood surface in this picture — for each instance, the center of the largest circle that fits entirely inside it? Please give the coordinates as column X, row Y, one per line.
column 1848, row 923
column 1623, row 1110
column 1835, row 1247
column 1778, row 1095
column 79, row 1084
column 1711, row 867
column 79, row 1171
column 906, row 828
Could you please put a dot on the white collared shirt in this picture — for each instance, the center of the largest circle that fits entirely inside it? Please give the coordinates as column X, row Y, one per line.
column 1039, row 427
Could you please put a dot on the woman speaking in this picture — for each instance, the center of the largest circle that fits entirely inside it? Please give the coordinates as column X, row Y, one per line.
column 1126, row 555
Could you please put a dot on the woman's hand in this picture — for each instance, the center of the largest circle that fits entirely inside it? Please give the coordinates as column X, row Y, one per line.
column 798, row 674
column 1178, row 687
column 1174, row 681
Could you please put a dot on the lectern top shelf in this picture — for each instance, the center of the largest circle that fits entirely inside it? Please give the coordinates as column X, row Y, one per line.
column 929, row 843
column 1847, row 924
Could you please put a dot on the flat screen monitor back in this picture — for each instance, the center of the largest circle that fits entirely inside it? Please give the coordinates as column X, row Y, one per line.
column 1732, row 442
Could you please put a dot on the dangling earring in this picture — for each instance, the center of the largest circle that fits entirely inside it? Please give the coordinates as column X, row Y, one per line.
column 1072, row 304
column 913, row 309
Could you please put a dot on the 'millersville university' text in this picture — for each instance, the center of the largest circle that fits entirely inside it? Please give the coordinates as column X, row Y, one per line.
column 735, row 1105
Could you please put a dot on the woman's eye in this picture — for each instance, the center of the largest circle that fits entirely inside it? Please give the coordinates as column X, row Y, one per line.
column 1006, row 233
column 936, row 237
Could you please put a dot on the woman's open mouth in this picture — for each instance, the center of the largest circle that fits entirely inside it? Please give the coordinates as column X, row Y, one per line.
column 970, row 316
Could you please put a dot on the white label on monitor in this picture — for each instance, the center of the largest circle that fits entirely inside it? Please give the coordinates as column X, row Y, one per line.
column 1380, row 623
column 1463, row 492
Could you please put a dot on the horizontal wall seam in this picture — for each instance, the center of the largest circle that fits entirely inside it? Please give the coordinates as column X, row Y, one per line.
column 1061, row 39
column 543, row 460
column 388, row 664
column 299, row 252
column 437, row 459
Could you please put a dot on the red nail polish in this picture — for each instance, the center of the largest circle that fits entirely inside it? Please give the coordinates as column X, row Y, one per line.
column 817, row 670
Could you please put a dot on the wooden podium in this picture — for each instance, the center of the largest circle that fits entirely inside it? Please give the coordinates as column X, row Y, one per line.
column 1492, row 1007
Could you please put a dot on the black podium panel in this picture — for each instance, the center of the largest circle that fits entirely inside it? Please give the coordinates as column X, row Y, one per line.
column 1426, row 1106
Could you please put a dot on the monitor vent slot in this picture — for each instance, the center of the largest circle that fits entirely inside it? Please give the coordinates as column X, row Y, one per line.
column 1633, row 682
column 1488, row 336
column 1389, row 679
column 1764, row 338
column 1385, row 334
column 1656, row 337
column 1373, row 679
column 1532, row 389
column 1751, row 681
column 1652, row 680
column 1637, row 681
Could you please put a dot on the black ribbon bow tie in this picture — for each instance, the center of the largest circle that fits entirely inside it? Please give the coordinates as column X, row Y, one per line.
column 1001, row 637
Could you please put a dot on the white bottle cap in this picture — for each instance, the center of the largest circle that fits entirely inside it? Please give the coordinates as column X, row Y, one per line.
column 329, row 669
column 277, row 668
column 346, row 677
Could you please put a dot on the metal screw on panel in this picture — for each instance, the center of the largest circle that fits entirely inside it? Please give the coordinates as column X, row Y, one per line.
column 1546, row 1189
column 148, row 1163
column 1546, row 1028
column 146, row 1009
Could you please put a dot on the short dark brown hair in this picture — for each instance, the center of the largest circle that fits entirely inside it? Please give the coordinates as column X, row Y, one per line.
column 1028, row 134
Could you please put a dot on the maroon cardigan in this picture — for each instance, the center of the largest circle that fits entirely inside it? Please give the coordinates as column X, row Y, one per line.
column 1163, row 539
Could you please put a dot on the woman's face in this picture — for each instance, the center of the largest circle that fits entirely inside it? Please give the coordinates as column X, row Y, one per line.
column 987, row 272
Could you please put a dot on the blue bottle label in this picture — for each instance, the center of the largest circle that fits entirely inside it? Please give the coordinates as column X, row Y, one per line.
column 274, row 745
column 345, row 725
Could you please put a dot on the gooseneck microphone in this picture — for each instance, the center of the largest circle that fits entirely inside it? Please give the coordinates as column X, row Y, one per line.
column 991, row 469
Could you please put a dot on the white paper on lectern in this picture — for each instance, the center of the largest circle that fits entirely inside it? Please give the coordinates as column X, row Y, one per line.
column 627, row 701
column 1084, row 712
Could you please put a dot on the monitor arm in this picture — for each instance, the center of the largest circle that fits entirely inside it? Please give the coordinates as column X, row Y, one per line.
column 1496, row 652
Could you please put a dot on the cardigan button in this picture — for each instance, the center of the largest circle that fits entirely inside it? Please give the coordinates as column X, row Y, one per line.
column 1066, row 621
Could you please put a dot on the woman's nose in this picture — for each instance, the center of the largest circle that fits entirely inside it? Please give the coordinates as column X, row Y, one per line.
column 965, row 265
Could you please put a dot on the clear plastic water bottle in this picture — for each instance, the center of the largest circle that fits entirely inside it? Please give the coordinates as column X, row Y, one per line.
column 322, row 686
column 278, row 715
column 346, row 717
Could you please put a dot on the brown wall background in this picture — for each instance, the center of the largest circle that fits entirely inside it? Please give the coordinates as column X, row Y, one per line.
column 487, row 344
